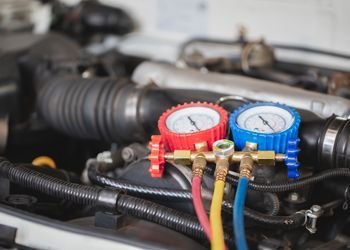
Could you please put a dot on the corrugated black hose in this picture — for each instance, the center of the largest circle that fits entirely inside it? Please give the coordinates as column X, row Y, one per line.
column 273, row 202
column 25, row 177
column 124, row 204
column 95, row 196
column 268, row 220
column 98, row 178
column 294, row 185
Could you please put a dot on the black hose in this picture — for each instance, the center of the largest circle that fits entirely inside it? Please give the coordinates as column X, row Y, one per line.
column 107, row 109
column 273, row 202
column 298, row 184
column 263, row 219
column 88, row 195
column 290, row 221
column 98, row 178
column 172, row 218
column 28, row 178
column 270, row 221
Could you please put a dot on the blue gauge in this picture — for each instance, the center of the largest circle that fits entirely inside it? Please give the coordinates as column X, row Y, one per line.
column 268, row 124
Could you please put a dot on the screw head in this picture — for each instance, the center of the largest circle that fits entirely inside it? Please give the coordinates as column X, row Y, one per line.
column 128, row 154
column 316, row 208
column 223, row 148
column 294, row 196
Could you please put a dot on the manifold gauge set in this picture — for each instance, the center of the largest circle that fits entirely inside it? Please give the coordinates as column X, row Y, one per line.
column 196, row 134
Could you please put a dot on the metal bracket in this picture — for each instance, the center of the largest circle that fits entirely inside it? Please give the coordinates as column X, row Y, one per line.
column 311, row 217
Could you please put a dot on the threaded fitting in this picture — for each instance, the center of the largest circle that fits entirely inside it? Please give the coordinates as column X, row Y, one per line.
column 221, row 170
column 198, row 166
column 245, row 173
column 246, row 166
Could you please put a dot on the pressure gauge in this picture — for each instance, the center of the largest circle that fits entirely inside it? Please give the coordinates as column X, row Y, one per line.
column 185, row 125
column 270, row 125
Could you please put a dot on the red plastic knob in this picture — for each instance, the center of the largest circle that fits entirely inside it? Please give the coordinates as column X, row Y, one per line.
column 187, row 141
column 156, row 156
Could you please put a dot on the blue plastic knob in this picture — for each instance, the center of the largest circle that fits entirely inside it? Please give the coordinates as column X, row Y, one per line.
column 291, row 160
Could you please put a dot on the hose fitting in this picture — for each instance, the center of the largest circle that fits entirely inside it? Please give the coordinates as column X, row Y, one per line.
column 221, row 170
column 198, row 166
column 246, row 166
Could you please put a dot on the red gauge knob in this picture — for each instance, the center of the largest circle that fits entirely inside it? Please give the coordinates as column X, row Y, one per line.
column 156, row 157
column 185, row 125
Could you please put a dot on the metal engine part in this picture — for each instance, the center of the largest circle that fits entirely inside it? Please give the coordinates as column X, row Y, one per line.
column 169, row 76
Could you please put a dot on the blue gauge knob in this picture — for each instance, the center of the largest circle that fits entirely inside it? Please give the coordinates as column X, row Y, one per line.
column 270, row 125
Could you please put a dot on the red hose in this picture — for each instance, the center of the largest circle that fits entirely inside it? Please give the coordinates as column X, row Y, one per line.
column 198, row 205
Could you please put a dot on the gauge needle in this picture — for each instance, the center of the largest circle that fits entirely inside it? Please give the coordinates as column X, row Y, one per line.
column 266, row 123
column 193, row 123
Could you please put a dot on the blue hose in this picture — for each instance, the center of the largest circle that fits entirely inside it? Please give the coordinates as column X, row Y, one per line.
column 238, row 217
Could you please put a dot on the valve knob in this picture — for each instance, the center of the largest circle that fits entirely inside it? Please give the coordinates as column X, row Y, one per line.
column 292, row 158
column 156, row 156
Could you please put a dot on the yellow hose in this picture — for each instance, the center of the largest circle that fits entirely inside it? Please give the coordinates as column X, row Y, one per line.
column 217, row 242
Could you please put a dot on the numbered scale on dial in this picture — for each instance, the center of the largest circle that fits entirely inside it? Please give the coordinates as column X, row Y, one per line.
column 185, row 125
column 270, row 125
column 192, row 119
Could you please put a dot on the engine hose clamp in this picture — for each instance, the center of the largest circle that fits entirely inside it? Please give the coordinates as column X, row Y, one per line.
column 346, row 198
column 107, row 200
column 329, row 140
column 311, row 217
column 303, row 212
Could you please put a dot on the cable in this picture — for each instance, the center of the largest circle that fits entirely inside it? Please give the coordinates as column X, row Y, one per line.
column 144, row 191
column 94, row 196
column 170, row 218
column 238, row 217
column 198, row 206
column 273, row 203
column 298, row 184
column 217, row 242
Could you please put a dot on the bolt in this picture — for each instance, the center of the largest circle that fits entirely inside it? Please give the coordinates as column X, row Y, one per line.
column 316, row 208
column 294, row 196
column 128, row 154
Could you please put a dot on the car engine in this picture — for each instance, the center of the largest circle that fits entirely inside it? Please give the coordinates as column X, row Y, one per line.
column 114, row 140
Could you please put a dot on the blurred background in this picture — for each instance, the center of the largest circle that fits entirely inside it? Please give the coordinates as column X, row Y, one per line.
column 164, row 24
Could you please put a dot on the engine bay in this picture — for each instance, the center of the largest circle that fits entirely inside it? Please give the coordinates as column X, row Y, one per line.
column 231, row 146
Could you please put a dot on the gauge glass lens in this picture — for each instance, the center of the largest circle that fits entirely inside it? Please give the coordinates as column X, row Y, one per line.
column 192, row 119
column 265, row 119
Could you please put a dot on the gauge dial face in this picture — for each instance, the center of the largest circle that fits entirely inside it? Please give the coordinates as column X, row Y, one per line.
column 192, row 119
column 265, row 119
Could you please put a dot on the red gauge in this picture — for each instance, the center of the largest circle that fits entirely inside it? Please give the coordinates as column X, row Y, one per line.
column 185, row 125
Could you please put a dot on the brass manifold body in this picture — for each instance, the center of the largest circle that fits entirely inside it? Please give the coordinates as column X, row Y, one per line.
column 223, row 155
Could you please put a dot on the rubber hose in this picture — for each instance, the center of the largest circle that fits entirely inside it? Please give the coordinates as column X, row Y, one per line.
column 151, row 192
column 79, row 194
column 199, row 207
column 273, row 203
column 150, row 211
column 85, row 108
column 268, row 220
column 238, row 217
column 288, row 222
column 217, row 231
column 88, row 195
column 298, row 184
